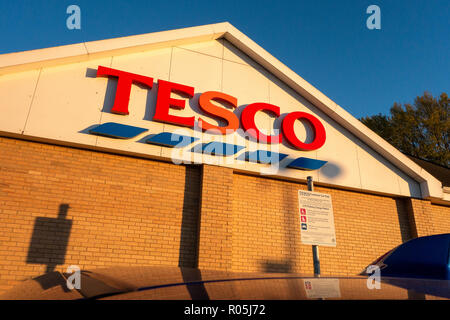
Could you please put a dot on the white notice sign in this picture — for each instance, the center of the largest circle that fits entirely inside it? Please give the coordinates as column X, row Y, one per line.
column 316, row 218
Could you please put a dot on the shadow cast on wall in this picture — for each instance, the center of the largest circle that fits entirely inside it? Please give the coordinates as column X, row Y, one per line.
column 190, row 232
column 49, row 240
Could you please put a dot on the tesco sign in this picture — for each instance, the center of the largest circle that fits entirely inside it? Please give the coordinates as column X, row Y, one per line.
column 165, row 102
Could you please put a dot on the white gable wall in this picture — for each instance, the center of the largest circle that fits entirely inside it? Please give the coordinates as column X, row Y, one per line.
column 60, row 102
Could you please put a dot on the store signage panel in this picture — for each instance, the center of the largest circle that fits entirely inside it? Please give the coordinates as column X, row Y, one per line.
column 165, row 102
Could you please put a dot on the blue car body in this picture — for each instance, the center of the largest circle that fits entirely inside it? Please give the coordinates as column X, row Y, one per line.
column 424, row 258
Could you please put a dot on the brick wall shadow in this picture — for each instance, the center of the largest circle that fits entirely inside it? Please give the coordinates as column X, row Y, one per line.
column 49, row 240
column 190, row 221
column 277, row 266
column 190, row 233
column 407, row 227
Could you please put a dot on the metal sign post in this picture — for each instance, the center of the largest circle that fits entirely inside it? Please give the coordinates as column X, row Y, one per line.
column 315, row 248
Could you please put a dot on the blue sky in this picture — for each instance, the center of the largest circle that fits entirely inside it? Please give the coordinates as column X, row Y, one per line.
column 324, row 41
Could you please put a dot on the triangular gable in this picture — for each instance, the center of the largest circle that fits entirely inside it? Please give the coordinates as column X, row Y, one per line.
column 357, row 157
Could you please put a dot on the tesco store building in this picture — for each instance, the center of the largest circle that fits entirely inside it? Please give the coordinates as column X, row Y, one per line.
column 189, row 148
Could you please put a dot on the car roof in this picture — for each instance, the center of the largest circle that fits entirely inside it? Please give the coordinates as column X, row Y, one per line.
column 169, row 283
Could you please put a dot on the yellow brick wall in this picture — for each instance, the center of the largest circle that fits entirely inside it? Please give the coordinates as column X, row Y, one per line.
column 423, row 217
column 266, row 232
column 215, row 218
column 441, row 218
column 61, row 206
column 123, row 210
column 428, row 218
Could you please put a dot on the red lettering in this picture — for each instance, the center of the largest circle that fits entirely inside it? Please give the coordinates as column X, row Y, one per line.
column 289, row 134
column 248, row 121
column 164, row 102
column 125, row 79
column 213, row 110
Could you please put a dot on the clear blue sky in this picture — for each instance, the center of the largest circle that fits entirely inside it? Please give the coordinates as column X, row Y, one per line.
column 324, row 41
